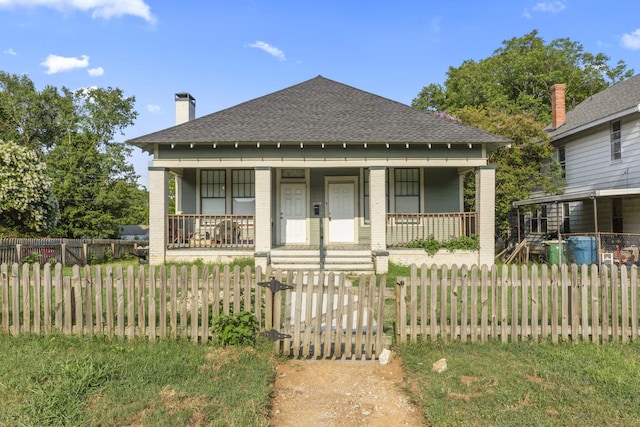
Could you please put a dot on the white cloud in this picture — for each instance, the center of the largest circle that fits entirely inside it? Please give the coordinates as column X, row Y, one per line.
column 550, row 6
column 105, row 9
column 271, row 50
column 632, row 40
column 434, row 24
column 57, row 64
column 9, row 51
column 95, row 72
column 152, row 108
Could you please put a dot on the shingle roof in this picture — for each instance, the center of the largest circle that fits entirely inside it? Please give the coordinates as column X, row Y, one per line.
column 612, row 100
column 320, row 110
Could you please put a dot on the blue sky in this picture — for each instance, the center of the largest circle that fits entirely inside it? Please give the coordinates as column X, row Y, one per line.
column 228, row 52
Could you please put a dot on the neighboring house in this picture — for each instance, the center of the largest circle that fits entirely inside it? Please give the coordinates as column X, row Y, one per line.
column 319, row 174
column 598, row 146
column 135, row 232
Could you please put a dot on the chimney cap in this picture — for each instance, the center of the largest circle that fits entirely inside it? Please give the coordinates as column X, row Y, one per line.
column 186, row 96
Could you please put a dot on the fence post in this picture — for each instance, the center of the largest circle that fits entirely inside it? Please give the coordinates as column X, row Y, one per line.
column 19, row 252
column 84, row 254
column 63, row 253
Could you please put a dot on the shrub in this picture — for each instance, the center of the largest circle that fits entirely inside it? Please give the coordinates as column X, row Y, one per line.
column 431, row 245
column 240, row 328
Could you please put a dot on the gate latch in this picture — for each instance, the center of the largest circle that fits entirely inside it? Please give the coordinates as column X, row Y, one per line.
column 275, row 285
column 274, row 335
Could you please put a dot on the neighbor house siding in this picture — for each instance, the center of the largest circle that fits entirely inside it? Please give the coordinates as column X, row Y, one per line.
column 588, row 158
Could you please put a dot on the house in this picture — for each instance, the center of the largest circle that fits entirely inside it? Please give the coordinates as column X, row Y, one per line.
column 134, row 232
column 598, row 146
column 319, row 174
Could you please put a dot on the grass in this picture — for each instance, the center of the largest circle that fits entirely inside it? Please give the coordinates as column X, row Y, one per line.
column 522, row 384
column 65, row 380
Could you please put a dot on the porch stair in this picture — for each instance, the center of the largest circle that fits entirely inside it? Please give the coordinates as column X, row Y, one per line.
column 334, row 260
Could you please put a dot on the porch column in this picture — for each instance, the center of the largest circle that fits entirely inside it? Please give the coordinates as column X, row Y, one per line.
column 263, row 216
column 378, row 218
column 158, row 209
column 486, row 211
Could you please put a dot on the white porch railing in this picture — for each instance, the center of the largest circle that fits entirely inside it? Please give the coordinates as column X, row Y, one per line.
column 210, row 231
column 402, row 228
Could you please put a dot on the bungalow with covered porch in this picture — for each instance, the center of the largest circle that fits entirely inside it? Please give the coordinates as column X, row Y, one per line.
column 317, row 175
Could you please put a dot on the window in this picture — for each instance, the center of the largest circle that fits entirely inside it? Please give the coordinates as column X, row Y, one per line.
column 566, row 223
column 539, row 220
column 562, row 160
column 616, row 216
column 365, row 193
column 243, row 184
column 616, row 153
column 407, row 190
column 212, row 191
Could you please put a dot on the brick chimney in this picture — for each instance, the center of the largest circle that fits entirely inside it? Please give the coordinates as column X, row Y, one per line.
column 185, row 108
column 558, row 107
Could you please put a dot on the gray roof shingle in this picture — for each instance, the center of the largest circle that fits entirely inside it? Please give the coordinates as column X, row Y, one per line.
column 614, row 99
column 320, row 110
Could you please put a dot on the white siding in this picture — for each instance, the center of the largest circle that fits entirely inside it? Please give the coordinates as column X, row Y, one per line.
column 588, row 158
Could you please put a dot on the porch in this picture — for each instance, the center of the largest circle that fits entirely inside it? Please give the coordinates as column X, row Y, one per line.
column 220, row 237
column 342, row 219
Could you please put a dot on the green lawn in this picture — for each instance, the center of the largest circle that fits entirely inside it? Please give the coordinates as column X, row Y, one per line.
column 72, row 381
column 525, row 384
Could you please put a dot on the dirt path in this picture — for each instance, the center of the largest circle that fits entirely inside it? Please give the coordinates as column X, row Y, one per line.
column 341, row 392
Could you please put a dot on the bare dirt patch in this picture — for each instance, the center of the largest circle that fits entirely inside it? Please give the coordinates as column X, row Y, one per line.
column 341, row 392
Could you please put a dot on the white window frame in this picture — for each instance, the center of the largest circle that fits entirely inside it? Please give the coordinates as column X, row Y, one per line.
column 615, row 133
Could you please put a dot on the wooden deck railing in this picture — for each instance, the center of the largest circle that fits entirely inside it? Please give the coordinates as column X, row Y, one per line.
column 402, row 228
column 210, row 231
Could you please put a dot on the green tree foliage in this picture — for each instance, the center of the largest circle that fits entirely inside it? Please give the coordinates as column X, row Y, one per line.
column 73, row 131
column 509, row 95
column 518, row 76
column 526, row 166
column 27, row 204
column 93, row 182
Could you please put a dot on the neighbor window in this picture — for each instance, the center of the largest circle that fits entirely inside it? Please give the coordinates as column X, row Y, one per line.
column 212, row 191
column 616, row 153
column 539, row 220
column 243, row 184
column 566, row 219
column 616, row 215
column 562, row 160
column 407, row 190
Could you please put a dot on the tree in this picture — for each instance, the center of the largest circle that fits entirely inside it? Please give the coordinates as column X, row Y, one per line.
column 94, row 184
column 509, row 95
column 73, row 131
column 519, row 169
column 27, row 204
column 518, row 76
column 28, row 117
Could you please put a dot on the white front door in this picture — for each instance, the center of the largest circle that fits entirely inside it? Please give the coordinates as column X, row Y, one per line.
column 341, row 212
column 293, row 222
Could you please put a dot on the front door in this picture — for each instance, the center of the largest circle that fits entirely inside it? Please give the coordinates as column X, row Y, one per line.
column 293, row 216
column 341, row 212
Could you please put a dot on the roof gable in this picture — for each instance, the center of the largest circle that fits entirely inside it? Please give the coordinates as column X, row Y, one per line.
column 320, row 110
column 613, row 100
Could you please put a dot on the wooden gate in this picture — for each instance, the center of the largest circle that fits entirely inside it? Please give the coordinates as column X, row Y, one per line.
column 324, row 315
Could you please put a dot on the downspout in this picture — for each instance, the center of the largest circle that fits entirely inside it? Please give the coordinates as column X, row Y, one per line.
column 559, row 236
column 518, row 221
column 595, row 228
